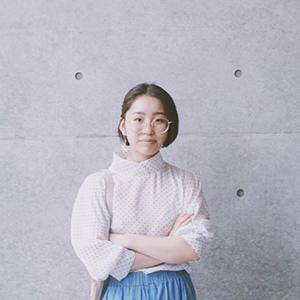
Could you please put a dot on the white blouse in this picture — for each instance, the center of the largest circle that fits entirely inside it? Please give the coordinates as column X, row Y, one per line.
column 148, row 197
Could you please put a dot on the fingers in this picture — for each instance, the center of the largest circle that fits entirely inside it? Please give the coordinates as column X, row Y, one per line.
column 183, row 219
column 180, row 219
column 184, row 216
column 189, row 219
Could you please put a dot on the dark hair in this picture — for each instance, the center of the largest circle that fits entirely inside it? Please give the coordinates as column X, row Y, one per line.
column 166, row 101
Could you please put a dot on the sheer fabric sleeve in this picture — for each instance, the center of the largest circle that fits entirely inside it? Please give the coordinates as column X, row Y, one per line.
column 90, row 224
column 197, row 232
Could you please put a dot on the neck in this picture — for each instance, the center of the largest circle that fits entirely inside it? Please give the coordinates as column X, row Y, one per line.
column 138, row 157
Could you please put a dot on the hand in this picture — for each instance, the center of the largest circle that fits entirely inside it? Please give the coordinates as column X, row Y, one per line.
column 119, row 239
column 182, row 220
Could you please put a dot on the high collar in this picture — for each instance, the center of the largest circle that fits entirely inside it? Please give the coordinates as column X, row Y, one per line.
column 128, row 167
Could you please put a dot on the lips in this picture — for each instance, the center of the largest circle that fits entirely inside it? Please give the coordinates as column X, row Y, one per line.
column 148, row 141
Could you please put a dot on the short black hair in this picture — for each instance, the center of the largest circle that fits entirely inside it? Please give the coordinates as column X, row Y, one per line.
column 166, row 100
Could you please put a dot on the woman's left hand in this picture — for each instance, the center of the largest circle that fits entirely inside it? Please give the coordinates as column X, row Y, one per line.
column 120, row 239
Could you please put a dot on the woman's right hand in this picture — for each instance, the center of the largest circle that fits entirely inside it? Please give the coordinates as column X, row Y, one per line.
column 182, row 220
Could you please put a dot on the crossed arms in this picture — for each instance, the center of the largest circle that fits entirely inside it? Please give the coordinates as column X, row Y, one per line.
column 99, row 250
column 152, row 250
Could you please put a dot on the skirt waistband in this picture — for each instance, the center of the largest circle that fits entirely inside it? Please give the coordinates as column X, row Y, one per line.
column 141, row 278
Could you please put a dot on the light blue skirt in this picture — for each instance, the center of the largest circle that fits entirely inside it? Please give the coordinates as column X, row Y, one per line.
column 160, row 285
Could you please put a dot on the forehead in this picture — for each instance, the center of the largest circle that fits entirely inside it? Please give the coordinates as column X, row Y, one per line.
column 146, row 104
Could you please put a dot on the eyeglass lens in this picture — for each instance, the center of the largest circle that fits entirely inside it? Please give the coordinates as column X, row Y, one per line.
column 158, row 124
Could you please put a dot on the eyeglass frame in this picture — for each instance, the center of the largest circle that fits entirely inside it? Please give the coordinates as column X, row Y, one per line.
column 169, row 122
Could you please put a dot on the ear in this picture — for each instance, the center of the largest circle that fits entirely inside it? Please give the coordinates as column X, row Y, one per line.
column 122, row 126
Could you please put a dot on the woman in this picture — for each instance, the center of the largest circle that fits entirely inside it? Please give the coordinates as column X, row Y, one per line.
column 158, row 221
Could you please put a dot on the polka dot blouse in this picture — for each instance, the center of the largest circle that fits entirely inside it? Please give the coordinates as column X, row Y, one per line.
column 148, row 197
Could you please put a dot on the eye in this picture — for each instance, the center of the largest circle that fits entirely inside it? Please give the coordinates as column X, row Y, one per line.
column 137, row 120
column 159, row 121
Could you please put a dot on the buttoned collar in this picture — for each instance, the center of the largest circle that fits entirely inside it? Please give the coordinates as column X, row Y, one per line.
column 128, row 167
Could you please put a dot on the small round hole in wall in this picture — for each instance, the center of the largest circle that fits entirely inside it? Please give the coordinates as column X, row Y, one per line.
column 240, row 192
column 78, row 75
column 237, row 73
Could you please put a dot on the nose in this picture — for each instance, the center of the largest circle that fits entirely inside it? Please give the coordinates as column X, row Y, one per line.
column 148, row 127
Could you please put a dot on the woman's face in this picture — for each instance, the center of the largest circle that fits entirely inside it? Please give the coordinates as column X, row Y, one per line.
column 144, row 140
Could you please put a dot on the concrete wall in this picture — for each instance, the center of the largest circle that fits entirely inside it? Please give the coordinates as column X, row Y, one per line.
column 235, row 132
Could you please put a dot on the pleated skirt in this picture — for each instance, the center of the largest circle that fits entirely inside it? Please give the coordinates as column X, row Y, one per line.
column 160, row 285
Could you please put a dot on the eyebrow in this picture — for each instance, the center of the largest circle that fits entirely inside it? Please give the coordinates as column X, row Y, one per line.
column 142, row 113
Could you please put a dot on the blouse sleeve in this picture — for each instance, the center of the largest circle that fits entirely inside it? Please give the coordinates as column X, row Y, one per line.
column 90, row 224
column 197, row 232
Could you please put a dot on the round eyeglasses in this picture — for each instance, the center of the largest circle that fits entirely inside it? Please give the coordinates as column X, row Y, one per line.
column 159, row 125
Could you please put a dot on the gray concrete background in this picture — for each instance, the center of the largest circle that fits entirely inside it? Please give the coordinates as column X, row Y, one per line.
column 236, row 133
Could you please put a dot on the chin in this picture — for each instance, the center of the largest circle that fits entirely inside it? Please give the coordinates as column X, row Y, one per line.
column 148, row 151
